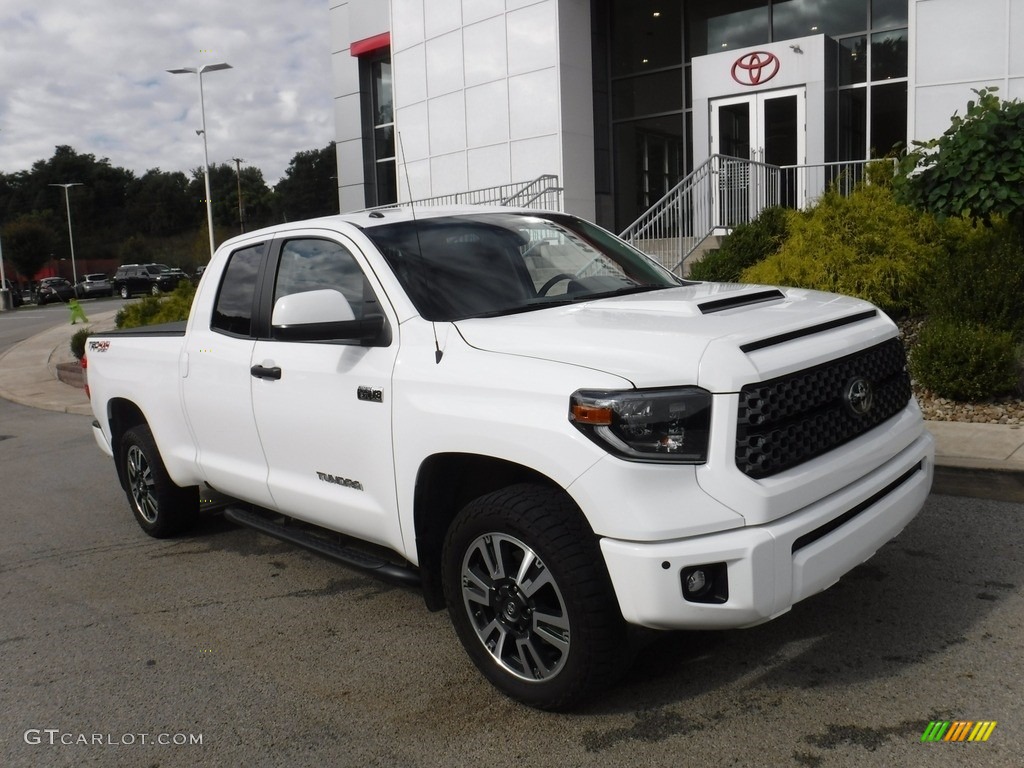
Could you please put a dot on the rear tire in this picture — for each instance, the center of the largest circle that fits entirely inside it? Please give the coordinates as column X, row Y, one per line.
column 531, row 601
column 161, row 508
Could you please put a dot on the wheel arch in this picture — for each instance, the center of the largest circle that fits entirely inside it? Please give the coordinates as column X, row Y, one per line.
column 447, row 482
column 122, row 415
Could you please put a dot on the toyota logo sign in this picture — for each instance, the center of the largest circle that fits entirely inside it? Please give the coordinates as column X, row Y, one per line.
column 755, row 68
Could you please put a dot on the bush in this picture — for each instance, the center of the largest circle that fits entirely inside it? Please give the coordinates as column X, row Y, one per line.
column 979, row 276
column 78, row 342
column 152, row 310
column 976, row 167
column 865, row 244
column 963, row 361
column 745, row 246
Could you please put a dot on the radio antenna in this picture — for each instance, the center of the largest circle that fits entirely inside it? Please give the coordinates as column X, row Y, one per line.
column 438, row 354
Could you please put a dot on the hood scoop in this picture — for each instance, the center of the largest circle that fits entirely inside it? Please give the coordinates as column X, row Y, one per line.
column 742, row 300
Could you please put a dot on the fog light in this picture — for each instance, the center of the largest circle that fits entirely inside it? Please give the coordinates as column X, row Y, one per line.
column 708, row 583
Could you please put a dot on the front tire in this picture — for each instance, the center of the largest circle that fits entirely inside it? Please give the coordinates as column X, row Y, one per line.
column 530, row 599
column 161, row 508
column 125, row 293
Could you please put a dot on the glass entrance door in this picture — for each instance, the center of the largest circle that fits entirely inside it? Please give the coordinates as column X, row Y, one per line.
column 769, row 129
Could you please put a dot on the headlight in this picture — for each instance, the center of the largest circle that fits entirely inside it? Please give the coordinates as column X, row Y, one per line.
column 670, row 425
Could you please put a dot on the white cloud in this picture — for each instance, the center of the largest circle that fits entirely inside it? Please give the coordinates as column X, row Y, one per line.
column 91, row 74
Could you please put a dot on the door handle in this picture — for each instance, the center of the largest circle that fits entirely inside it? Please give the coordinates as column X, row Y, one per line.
column 265, row 373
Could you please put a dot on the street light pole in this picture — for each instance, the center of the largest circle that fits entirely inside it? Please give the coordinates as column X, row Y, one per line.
column 238, row 174
column 71, row 239
column 206, row 157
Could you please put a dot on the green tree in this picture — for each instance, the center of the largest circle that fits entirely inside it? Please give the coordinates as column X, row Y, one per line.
column 975, row 168
column 159, row 204
column 308, row 187
column 29, row 242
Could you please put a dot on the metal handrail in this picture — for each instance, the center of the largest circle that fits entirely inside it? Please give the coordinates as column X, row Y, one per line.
column 522, row 194
column 724, row 192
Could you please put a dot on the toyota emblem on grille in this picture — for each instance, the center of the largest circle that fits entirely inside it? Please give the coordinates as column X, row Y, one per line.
column 858, row 396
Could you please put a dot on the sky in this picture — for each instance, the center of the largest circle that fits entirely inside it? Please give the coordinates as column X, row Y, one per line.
column 91, row 74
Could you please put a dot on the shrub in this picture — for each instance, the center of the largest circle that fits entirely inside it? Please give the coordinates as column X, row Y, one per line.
column 865, row 244
column 745, row 246
column 78, row 342
column 152, row 310
column 963, row 361
column 978, row 277
column 976, row 167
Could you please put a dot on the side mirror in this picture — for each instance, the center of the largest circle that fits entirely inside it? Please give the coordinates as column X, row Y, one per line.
column 326, row 315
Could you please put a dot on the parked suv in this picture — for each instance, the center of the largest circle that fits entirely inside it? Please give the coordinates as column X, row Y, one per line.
column 95, row 284
column 143, row 278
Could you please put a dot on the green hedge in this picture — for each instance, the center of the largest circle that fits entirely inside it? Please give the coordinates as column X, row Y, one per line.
column 963, row 361
column 865, row 244
column 152, row 310
column 745, row 246
column 978, row 277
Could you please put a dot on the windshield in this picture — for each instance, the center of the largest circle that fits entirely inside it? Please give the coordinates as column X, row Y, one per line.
column 485, row 264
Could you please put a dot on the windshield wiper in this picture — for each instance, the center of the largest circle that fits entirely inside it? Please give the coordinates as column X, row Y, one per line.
column 565, row 301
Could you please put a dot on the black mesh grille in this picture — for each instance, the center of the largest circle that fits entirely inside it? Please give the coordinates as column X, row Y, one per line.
column 786, row 421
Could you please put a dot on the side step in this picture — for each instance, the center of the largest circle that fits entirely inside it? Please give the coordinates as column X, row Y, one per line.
column 405, row 575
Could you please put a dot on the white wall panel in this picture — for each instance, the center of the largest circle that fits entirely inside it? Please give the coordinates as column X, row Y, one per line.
column 532, row 38
column 533, row 104
column 366, row 19
column 444, row 64
column 406, row 23
column 489, row 166
column 414, row 176
column 477, row 10
column 411, row 122
column 487, row 114
column 347, row 117
column 409, row 75
column 447, row 117
column 340, row 38
column 533, row 157
column 954, row 45
column 448, row 174
column 484, row 46
column 441, row 16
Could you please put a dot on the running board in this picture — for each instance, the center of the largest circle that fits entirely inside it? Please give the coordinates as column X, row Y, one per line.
column 350, row 556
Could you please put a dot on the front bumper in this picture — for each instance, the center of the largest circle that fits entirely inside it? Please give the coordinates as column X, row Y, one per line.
column 771, row 567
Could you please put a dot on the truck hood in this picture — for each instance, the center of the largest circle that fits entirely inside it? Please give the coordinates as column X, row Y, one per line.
column 715, row 335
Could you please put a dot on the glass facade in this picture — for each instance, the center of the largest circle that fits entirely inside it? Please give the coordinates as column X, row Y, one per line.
column 650, row 44
column 379, row 168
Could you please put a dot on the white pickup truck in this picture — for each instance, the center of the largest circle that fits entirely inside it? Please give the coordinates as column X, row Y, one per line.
column 553, row 436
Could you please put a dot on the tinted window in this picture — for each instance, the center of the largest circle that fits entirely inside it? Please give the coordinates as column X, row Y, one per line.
column 491, row 264
column 233, row 311
column 313, row 265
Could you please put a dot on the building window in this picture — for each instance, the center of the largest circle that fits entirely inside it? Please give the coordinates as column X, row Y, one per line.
column 379, row 167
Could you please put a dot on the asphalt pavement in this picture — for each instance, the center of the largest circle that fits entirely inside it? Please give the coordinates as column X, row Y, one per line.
column 978, row 460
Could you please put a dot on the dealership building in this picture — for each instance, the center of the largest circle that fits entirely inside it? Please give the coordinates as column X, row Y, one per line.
column 619, row 100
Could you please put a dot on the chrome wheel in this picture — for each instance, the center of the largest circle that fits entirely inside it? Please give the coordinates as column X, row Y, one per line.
column 160, row 507
column 141, row 486
column 515, row 607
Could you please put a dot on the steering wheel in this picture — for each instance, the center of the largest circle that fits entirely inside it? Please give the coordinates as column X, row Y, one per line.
column 552, row 282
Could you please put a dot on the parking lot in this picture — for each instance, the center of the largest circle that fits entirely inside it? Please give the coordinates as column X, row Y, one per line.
column 229, row 648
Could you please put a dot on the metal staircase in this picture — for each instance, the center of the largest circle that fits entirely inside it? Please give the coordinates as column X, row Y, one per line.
column 724, row 192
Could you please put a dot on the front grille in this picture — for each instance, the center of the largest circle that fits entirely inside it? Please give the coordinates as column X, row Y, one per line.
column 789, row 420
